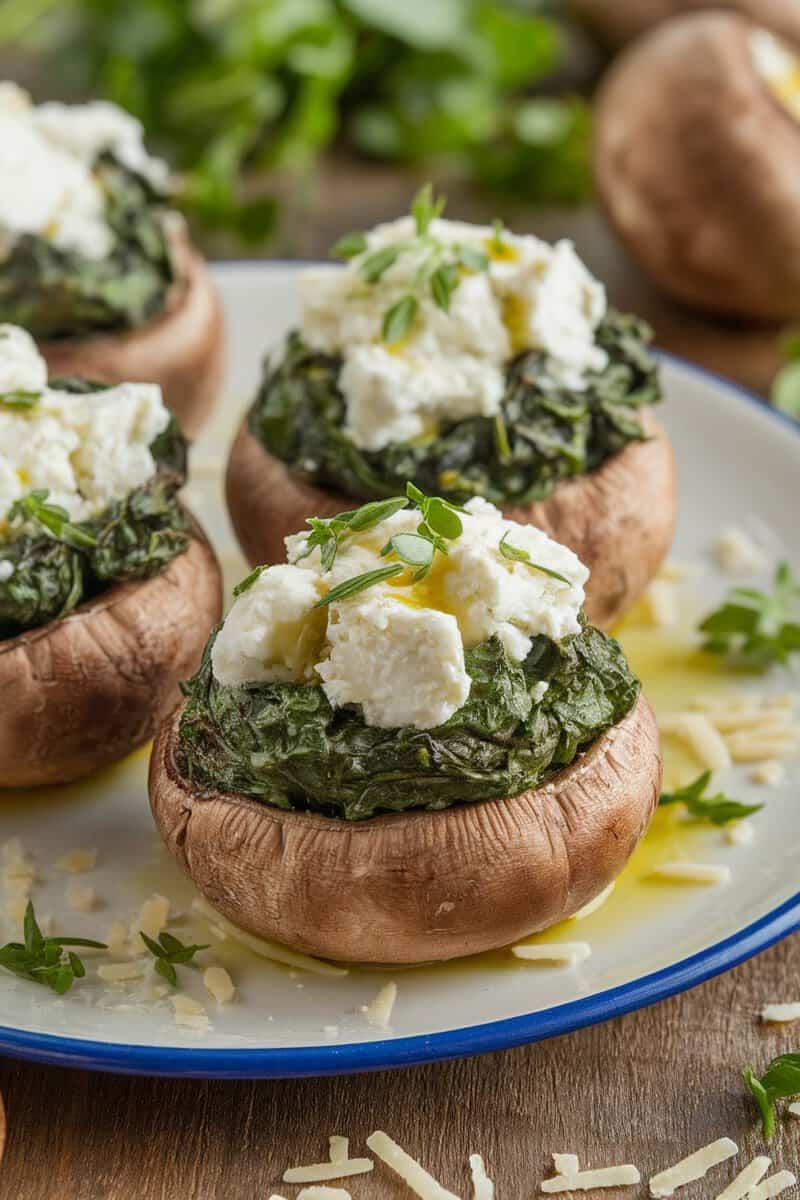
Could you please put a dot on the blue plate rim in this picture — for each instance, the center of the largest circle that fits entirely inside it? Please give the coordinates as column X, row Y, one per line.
column 382, row 1054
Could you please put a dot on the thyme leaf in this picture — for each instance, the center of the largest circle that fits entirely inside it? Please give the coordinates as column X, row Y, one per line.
column 52, row 517
column 516, row 554
column 169, row 951
column 718, row 809
column 45, row 960
column 359, row 583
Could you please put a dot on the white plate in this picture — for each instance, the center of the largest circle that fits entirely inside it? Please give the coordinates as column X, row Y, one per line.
column 738, row 461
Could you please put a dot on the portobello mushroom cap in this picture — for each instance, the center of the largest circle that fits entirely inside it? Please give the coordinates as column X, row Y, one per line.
column 616, row 22
column 83, row 691
column 181, row 348
column 698, row 166
column 619, row 519
column 415, row 886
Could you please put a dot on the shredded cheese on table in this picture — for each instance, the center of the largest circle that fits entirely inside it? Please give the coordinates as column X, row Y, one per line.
column 747, row 1178
column 688, row 872
column 562, row 954
column 482, row 1186
column 794, row 1108
column 575, row 1180
column 773, row 1186
column 320, row 1172
column 323, row 1193
column 409, row 1170
column 566, row 1164
column 339, row 1148
column 781, row 1013
column 379, row 1011
column 694, row 1166
column 273, row 951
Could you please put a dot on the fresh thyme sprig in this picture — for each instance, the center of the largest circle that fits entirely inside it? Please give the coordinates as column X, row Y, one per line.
column 516, row 554
column 439, row 272
column 780, row 1081
column 718, row 809
column 757, row 628
column 45, row 960
column 440, row 524
column 52, row 517
column 359, row 583
column 169, row 951
column 20, row 400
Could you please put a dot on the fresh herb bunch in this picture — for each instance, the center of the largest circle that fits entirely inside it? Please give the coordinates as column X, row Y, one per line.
column 757, row 629
column 283, row 743
column 543, row 433
column 55, row 293
column 719, row 809
column 780, row 1081
column 45, row 960
column 58, row 564
column 229, row 90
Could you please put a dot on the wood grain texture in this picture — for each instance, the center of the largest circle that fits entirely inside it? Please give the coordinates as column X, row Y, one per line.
column 645, row 1088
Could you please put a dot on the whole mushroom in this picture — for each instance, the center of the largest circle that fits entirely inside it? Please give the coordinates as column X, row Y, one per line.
column 616, row 22
column 697, row 161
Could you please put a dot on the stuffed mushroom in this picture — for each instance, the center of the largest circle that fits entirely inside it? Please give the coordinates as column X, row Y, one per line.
column 406, row 743
column 477, row 364
column 93, row 263
column 108, row 588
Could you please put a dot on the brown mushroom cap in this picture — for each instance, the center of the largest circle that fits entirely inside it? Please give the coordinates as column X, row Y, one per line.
column 698, row 166
column 615, row 22
column 415, row 886
column 619, row 519
column 182, row 348
column 81, row 692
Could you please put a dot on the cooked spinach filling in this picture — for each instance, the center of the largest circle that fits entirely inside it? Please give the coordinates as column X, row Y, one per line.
column 56, row 564
column 55, row 293
column 284, row 745
column 543, row 433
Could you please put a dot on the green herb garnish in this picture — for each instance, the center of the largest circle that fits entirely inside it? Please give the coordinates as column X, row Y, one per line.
column 780, row 1081
column 757, row 628
column 398, row 319
column 515, row 554
column 168, row 952
column 52, row 517
column 20, row 400
column 329, row 532
column 718, row 809
column 45, row 960
column 359, row 583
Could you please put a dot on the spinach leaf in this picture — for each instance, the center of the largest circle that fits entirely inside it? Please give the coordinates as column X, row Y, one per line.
column 134, row 538
column 547, row 433
column 54, row 292
column 283, row 743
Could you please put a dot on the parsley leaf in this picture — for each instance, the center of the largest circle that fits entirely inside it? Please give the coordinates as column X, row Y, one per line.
column 780, row 1081
column 718, row 809
column 169, row 951
column 757, row 628
column 45, row 960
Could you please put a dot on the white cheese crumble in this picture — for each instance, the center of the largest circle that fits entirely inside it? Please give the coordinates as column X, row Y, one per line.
column 85, row 450
column 451, row 365
column 47, row 159
column 694, row 1166
column 219, row 984
column 6, row 570
column 748, row 1177
column 397, row 648
column 781, row 1013
column 409, row 1170
column 560, row 954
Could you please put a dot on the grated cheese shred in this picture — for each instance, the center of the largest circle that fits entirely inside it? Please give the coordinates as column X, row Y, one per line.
column 781, row 1013
column 409, row 1170
column 747, row 1178
column 694, row 1166
column 689, row 872
column 575, row 1180
column 273, row 951
column 323, row 1193
column 777, row 1183
column 482, row 1186
column 593, row 905
column 339, row 1148
column 320, row 1172
column 76, row 862
column 561, row 954
column 379, row 1011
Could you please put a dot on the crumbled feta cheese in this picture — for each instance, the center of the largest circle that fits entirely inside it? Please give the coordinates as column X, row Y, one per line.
column 47, row 156
column 451, row 365
column 559, row 954
column 85, row 450
column 397, row 648
column 76, row 861
column 219, row 984
column 22, row 368
column 6, row 570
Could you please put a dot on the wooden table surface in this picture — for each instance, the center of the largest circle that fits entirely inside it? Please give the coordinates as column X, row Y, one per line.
column 645, row 1088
